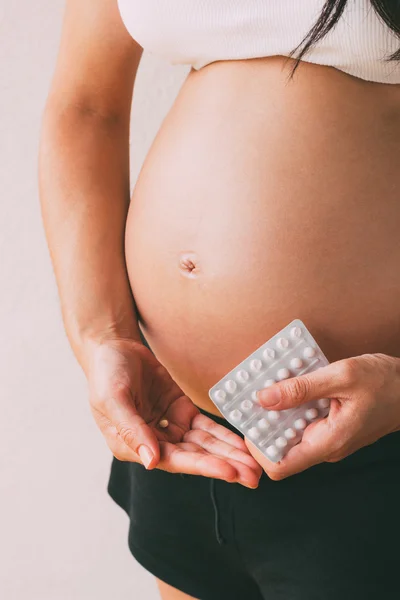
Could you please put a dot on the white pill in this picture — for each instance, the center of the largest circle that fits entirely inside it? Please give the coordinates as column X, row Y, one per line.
column 300, row 424
column 254, row 395
column 246, row 405
column 272, row 452
column 219, row 395
column 263, row 424
column 282, row 343
column 256, row 365
column 269, row 382
column 236, row 415
column 269, row 353
column 308, row 352
column 296, row 363
column 323, row 402
column 283, row 373
column 253, row 433
column 230, row 386
column 273, row 415
column 311, row 413
column 290, row 433
column 281, row 442
column 242, row 376
column 295, row 332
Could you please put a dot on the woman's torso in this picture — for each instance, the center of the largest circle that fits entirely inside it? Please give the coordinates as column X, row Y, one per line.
column 285, row 198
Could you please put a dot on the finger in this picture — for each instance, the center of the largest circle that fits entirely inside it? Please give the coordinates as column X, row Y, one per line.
column 190, row 447
column 122, row 452
column 316, row 447
column 247, row 476
column 331, row 381
column 242, row 473
column 219, row 431
column 220, row 448
column 119, row 449
column 132, row 428
column 177, row 459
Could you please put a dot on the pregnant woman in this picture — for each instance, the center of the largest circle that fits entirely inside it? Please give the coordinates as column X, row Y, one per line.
column 271, row 192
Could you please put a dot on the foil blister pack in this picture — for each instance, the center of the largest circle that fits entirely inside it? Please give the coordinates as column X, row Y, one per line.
column 291, row 352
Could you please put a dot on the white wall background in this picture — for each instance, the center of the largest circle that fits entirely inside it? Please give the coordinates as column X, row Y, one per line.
column 61, row 536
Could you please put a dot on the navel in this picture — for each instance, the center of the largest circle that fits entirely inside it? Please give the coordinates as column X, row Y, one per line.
column 188, row 263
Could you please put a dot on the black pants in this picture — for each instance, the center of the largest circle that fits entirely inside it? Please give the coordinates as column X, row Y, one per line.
column 329, row 533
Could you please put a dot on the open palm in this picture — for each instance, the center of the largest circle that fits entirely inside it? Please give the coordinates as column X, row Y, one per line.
column 131, row 392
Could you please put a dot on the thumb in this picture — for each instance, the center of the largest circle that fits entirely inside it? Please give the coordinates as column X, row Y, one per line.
column 133, row 429
column 295, row 391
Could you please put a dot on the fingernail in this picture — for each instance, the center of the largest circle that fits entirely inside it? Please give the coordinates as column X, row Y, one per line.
column 251, row 487
column 146, row 455
column 269, row 397
column 249, row 483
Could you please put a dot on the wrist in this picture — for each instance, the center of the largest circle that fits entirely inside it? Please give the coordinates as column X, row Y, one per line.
column 87, row 340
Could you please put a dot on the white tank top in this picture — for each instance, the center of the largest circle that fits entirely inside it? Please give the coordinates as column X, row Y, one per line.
column 198, row 32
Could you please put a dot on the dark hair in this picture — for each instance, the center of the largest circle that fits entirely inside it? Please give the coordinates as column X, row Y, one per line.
column 388, row 11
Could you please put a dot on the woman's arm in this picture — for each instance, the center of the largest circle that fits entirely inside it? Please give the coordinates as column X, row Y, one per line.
column 84, row 173
column 84, row 184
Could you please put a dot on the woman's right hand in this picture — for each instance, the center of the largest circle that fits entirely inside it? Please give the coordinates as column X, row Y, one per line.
column 131, row 392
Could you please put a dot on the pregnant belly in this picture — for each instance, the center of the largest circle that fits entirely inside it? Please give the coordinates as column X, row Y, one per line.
column 261, row 201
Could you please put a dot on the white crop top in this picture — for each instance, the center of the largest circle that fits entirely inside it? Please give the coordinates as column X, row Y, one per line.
column 198, row 32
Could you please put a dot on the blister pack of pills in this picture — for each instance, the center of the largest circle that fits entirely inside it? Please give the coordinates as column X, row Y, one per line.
column 292, row 351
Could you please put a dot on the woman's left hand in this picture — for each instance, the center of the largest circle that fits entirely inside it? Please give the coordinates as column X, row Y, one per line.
column 365, row 405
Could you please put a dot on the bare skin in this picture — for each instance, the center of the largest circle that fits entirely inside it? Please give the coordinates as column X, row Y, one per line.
column 167, row 592
column 86, row 131
column 260, row 200
column 294, row 211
